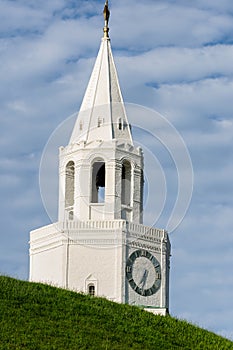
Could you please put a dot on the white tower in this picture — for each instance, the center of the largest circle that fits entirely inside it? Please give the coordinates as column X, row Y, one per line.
column 99, row 244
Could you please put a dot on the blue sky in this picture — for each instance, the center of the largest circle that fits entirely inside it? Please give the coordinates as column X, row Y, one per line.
column 172, row 56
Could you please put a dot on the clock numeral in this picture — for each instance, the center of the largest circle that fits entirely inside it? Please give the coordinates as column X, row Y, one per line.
column 128, row 269
column 150, row 292
column 143, row 253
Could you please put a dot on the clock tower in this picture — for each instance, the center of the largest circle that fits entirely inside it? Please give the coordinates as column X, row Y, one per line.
column 99, row 245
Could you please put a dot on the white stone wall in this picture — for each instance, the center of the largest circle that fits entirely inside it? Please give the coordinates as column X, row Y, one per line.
column 47, row 256
column 72, row 254
column 101, row 264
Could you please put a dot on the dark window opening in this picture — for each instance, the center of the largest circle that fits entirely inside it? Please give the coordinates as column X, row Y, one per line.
column 120, row 124
column 126, row 184
column 98, row 182
column 91, row 289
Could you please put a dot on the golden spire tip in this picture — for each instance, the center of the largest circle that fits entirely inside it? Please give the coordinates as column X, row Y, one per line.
column 106, row 14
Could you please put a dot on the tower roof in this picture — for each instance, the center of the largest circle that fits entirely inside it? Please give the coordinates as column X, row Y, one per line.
column 102, row 115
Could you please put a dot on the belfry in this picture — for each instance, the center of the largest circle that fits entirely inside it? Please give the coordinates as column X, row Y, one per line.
column 99, row 245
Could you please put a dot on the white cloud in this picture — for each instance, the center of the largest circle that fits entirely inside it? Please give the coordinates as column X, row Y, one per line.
column 177, row 65
column 165, row 24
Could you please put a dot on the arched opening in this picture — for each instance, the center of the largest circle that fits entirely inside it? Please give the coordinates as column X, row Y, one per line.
column 69, row 185
column 98, row 182
column 126, row 183
column 71, row 215
column 91, row 289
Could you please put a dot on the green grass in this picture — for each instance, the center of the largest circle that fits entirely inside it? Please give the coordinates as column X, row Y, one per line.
column 37, row 316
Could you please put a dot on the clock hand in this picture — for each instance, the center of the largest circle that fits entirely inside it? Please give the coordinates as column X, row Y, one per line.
column 143, row 279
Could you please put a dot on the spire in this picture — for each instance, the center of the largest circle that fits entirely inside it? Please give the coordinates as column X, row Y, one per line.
column 106, row 14
column 102, row 115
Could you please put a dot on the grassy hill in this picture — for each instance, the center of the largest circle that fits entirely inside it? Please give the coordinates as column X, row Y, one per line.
column 37, row 316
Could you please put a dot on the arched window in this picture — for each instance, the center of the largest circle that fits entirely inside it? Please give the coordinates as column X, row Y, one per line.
column 126, row 183
column 91, row 289
column 98, row 182
column 69, row 185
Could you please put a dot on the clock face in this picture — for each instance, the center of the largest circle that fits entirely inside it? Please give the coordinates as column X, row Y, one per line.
column 143, row 272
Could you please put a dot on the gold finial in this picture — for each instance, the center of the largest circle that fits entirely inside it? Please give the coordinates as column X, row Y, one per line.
column 106, row 14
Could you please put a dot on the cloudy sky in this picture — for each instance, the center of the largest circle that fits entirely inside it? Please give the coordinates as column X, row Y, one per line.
column 172, row 56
